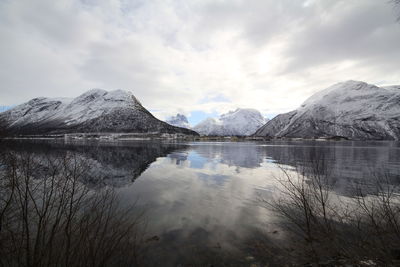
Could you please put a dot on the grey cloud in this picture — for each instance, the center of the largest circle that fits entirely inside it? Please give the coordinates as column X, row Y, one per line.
column 255, row 21
column 366, row 33
column 177, row 54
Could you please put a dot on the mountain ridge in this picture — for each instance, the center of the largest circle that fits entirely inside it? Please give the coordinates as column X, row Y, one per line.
column 351, row 109
column 96, row 110
column 179, row 120
column 239, row 122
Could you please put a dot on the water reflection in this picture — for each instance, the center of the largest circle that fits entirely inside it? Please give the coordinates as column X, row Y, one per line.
column 112, row 163
column 200, row 197
column 198, row 205
column 120, row 163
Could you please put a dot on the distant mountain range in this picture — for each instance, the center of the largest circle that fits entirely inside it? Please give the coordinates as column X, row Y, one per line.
column 179, row 120
column 96, row 110
column 241, row 122
column 352, row 109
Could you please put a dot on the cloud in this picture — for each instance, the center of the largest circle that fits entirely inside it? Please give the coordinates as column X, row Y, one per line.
column 201, row 55
column 345, row 32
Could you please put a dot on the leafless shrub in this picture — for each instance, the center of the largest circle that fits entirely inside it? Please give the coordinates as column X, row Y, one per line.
column 377, row 218
column 3, row 128
column 332, row 229
column 49, row 218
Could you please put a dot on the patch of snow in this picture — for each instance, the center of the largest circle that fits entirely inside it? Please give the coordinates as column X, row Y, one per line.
column 241, row 122
column 179, row 120
column 95, row 110
column 351, row 109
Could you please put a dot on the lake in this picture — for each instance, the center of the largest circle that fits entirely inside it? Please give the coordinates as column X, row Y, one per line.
column 201, row 199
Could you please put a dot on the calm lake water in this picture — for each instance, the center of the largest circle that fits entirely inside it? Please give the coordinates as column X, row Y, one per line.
column 200, row 198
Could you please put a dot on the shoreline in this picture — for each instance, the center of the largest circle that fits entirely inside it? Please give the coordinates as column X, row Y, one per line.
column 179, row 137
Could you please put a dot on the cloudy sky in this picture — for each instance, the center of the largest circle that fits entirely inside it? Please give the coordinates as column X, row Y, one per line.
column 196, row 57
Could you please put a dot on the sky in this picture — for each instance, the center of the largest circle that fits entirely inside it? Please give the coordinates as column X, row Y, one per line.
column 199, row 58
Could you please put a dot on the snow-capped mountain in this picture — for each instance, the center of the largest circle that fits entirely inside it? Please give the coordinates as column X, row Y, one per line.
column 96, row 110
column 179, row 120
column 351, row 109
column 239, row 122
column 209, row 126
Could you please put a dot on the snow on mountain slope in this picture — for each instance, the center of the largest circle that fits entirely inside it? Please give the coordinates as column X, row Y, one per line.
column 209, row 126
column 239, row 122
column 96, row 110
column 351, row 109
column 179, row 120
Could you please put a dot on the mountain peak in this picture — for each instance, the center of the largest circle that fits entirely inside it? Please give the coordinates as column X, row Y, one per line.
column 96, row 110
column 182, row 117
column 179, row 120
column 351, row 109
column 96, row 92
column 341, row 92
column 352, row 83
column 241, row 121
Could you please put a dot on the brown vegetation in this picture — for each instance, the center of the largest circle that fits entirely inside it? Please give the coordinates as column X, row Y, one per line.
column 322, row 227
column 49, row 218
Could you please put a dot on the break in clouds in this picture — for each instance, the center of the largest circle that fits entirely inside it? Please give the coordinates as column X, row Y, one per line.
column 184, row 56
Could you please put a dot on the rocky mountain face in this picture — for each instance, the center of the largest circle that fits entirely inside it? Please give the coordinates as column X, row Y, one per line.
column 352, row 109
column 240, row 122
column 96, row 110
column 179, row 120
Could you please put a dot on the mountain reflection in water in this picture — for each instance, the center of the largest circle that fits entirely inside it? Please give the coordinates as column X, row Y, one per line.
column 200, row 198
